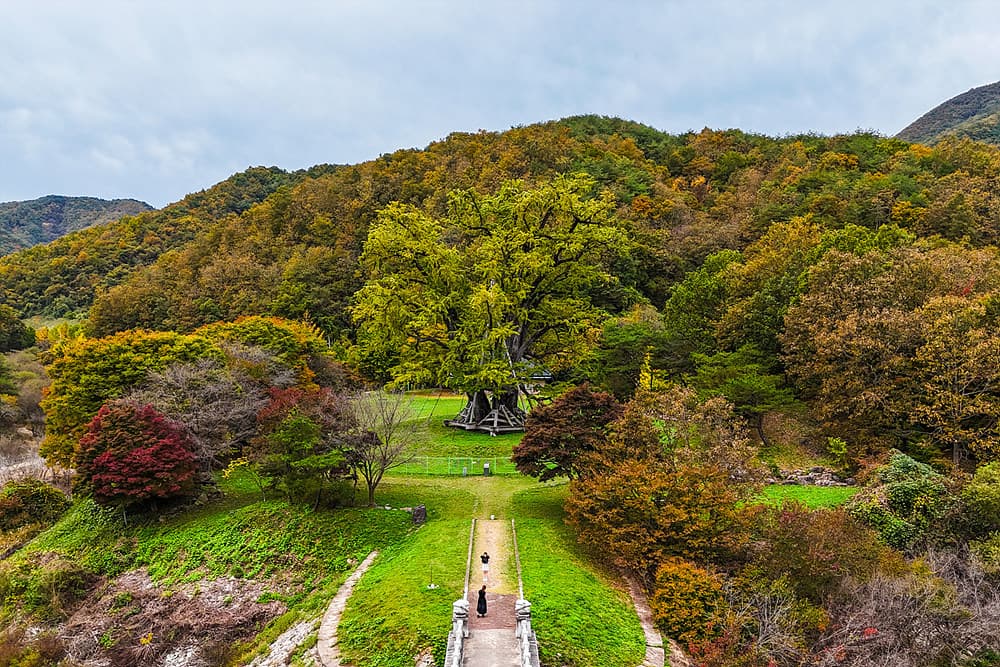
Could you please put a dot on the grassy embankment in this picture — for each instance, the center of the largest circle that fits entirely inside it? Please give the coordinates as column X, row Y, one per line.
column 302, row 554
column 578, row 613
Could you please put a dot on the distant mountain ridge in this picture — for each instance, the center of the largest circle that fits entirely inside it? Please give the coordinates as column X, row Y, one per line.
column 27, row 223
column 975, row 114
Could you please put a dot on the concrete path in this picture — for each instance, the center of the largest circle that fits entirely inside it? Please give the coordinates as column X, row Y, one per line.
column 499, row 612
column 491, row 641
column 491, row 648
column 326, row 638
column 654, row 642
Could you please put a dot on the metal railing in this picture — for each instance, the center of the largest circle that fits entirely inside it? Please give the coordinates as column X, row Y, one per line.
column 456, row 466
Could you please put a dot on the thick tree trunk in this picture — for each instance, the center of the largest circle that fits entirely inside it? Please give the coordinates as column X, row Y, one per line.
column 499, row 413
column 758, row 423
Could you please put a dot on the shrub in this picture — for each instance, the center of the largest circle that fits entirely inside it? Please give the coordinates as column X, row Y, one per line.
column 687, row 601
column 816, row 549
column 30, row 501
column 941, row 612
column 987, row 551
column 729, row 649
column 837, row 449
column 766, row 625
column 14, row 334
column 47, row 586
column 905, row 501
column 131, row 454
column 301, row 441
column 639, row 513
column 980, row 502
column 17, row 649
column 555, row 435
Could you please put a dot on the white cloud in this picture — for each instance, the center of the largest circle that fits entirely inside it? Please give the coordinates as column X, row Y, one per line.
column 154, row 100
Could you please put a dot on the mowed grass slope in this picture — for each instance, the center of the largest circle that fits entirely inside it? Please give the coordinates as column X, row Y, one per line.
column 580, row 617
column 579, row 613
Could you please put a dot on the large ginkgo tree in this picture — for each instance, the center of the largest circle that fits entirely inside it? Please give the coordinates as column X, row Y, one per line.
column 486, row 298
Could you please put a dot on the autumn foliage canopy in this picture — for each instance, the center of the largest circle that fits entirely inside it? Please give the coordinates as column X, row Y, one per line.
column 131, row 454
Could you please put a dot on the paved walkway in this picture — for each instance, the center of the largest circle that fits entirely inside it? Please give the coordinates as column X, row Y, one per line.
column 491, row 641
column 493, row 537
column 326, row 638
column 654, row 642
column 491, row 648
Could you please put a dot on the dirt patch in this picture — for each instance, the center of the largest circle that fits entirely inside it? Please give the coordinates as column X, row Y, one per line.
column 133, row 621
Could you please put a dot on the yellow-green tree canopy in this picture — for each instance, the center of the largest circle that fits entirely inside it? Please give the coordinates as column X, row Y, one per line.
column 478, row 299
column 87, row 372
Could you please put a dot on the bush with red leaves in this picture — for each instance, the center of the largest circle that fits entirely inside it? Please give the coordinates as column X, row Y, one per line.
column 131, row 454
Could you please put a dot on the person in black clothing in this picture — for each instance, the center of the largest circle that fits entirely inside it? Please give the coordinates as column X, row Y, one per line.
column 481, row 605
column 486, row 565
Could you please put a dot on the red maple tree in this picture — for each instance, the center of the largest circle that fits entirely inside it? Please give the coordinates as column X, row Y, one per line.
column 133, row 453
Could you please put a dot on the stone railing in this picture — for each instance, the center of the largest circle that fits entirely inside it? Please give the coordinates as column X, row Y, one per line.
column 527, row 643
column 455, row 653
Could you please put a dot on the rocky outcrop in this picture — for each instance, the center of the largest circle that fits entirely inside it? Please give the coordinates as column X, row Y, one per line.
column 814, row 476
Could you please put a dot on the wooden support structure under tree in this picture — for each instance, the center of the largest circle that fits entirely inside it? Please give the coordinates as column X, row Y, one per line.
column 491, row 412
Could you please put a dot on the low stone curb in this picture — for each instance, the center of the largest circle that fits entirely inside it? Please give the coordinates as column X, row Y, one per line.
column 654, row 642
column 326, row 638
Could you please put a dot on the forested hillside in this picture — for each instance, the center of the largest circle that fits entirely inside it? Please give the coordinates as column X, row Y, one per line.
column 27, row 223
column 60, row 278
column 975, row 114
column 740, row 245
column 707, row 311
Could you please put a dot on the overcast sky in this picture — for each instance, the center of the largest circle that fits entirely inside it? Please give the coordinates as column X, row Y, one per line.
column 155, row 99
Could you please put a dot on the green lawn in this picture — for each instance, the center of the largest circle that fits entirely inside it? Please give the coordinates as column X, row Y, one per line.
column 392, row 611
column 434, row 439
column 434, row 403
column 462, row 466
column 811, row 496
column 580, row 617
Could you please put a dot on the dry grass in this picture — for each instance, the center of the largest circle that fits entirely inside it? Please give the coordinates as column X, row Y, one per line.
column 136, row 621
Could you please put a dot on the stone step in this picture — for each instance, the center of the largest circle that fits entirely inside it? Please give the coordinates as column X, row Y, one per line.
column 491, row 648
